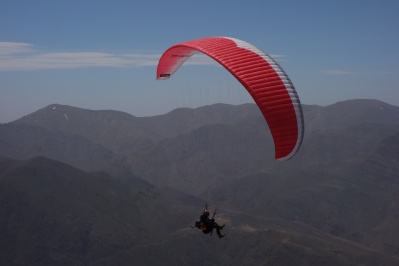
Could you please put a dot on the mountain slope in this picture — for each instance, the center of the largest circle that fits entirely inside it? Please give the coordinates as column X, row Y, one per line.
column 54, row 214
column 354, row 199
column 26, row 141
column 214, row 154
column 347, row 113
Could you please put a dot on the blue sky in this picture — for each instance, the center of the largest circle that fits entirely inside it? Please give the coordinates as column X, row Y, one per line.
column 103, row 54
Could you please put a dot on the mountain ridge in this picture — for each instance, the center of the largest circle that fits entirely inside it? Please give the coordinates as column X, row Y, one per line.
column 342, row 182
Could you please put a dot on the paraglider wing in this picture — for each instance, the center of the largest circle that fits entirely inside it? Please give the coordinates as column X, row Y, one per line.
column 263, row 78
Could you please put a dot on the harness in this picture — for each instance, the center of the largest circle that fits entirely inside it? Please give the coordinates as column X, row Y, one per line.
column 205, row 224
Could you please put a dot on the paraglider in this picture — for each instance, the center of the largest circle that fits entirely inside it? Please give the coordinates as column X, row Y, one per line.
column 207, row 225
column 264, row 79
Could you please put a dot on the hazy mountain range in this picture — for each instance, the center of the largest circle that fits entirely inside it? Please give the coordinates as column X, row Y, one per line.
column 84, row 187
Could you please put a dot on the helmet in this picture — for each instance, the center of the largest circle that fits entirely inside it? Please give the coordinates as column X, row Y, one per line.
column 206, row 213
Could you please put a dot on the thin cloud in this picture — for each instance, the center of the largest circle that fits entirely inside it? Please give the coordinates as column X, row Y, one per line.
column 22, row 56
column 279, row 57
column 275, row 56
column 9, row 48
column 336, row 72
